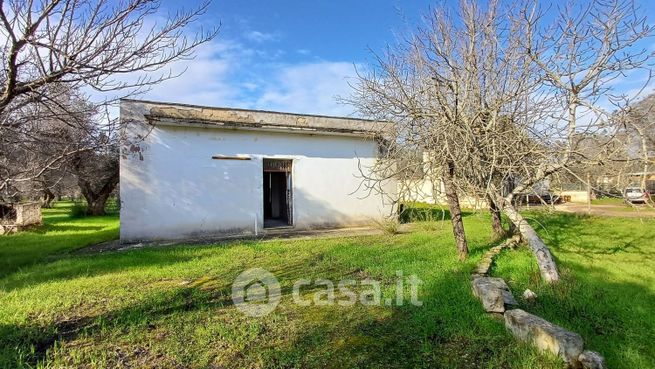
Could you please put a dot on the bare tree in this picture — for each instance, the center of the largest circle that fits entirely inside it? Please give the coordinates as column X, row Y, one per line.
column 509, row 95
column 86, row 152
column 447, row 87
column 448, row 177
column 80, row 44
column 578, row 56
column 97, row 176
column 37, row 139
column 640, row 122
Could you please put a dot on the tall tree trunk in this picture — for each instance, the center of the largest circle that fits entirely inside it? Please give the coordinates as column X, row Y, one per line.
column 96, row 201
column 455, row 210
column 96, row 204
column 48, row 197
column 509, row 186
column 545, row 260
column 496, row 222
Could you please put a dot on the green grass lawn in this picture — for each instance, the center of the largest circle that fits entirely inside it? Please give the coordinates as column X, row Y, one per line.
column 609, row 201
column 607, row 292
column 171, row 307
column 621, row 206
column 58, row 234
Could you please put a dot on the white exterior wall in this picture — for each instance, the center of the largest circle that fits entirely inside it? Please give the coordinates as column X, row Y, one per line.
column 581, row 197
column 422, row 190
column 172, row 189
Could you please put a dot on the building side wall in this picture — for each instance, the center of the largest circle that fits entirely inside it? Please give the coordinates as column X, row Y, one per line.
column 172, row 189
column 424, row 191
column 581, row 197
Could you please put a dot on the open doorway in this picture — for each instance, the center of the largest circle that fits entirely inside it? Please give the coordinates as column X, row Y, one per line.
column 277, row 193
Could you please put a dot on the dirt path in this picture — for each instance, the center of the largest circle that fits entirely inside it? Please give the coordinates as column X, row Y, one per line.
column 638, row 211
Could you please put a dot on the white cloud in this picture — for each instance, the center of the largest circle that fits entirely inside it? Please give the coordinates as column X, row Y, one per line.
column 206, row 77
column 257, row 36
column 223, row 74
column 229, row 73
column 242, row 73
column 309, row 88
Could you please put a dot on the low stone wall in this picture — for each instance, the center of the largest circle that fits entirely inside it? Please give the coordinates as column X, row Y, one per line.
column 28, row 214
column 580, row 197
column 20, row 215
column 497, row 299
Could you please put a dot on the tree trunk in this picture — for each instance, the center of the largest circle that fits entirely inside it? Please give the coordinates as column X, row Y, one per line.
column 96, row 201
column 496, row 222
column 96, row 205
column 48, row 197
column 509, row 186
column 545, row 260
column 455, row 210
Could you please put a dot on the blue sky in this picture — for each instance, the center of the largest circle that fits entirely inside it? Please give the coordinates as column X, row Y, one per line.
column 289, row 55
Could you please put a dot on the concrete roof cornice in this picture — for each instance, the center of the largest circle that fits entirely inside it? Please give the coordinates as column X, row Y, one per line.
column 229, row 118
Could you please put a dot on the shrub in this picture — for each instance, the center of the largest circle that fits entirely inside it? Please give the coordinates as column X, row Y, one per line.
column 113, row 205
column 78, row 210
column 388, row 225
column 417, row 212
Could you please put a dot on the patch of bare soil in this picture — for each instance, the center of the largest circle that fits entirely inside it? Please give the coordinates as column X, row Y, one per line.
column 637, row 211
column 281, row 233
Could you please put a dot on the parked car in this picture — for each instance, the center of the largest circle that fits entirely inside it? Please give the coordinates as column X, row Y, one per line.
column 635, row 195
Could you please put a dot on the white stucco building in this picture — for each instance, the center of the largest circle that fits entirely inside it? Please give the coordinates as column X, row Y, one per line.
column 190, row 172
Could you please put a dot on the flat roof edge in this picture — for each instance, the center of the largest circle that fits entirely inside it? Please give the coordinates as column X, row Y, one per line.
column 206, row 116
column 196, row 106
column 212, row 124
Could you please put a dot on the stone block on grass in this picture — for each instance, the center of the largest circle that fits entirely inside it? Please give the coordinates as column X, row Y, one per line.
column 592, row 360
column 545, row 335
column 493, row 293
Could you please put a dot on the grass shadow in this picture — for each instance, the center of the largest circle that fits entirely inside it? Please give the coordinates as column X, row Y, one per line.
column 606, row 289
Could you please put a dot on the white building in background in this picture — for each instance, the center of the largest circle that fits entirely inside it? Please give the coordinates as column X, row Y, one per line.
column 191, row 172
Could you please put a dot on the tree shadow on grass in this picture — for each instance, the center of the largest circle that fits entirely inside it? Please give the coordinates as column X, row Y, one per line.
column 570, row 233
column 29, row 344
column 24, row 251
column 89, row 266
column 450, row 330
column 614, row 318
column 605, row 293
column 68, row 228
column 557, row 228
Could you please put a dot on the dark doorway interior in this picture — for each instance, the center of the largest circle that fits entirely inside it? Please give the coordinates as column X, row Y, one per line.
column 277, row 193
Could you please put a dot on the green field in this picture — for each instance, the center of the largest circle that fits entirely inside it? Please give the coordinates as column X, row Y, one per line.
column 614, row 204
column 609, row 201
column 607, row 292
column 59, row 234
column 171, row 307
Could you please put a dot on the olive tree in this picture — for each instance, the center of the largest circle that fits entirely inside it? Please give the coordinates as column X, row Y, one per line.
column 51, row 47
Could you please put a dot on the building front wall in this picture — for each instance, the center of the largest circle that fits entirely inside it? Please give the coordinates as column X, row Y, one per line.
column 172, row 189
